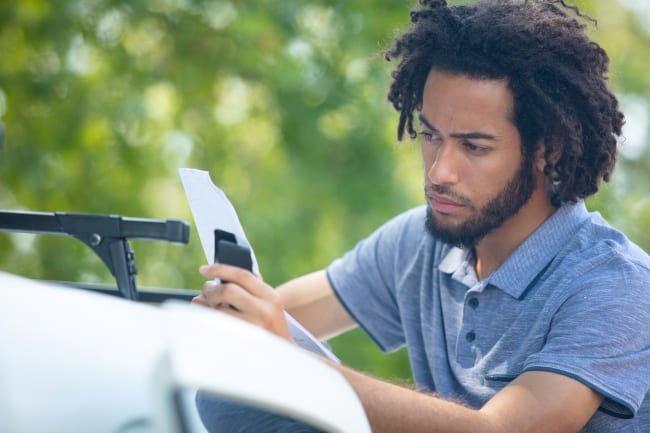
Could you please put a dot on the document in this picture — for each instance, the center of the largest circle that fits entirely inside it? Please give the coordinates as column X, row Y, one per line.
column 212, row 210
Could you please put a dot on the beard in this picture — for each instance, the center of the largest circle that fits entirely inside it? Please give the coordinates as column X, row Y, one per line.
column 505, row 204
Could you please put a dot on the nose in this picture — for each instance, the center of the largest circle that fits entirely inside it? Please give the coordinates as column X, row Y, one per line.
column 441, row 165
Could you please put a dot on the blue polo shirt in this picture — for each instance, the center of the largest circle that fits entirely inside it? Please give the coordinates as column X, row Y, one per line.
column 574, row 298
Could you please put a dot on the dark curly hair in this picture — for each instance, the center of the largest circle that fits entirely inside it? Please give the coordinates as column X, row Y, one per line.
column 556, row 73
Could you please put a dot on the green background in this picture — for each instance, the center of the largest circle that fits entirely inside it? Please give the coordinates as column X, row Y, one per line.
column 284, row 102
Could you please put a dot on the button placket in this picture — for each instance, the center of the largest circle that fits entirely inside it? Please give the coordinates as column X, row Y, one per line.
column 473, row 304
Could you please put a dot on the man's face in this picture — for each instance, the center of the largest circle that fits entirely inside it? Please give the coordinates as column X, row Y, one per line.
column 475, row 176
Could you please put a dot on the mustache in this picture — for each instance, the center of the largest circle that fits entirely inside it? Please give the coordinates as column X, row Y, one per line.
column 446, row 191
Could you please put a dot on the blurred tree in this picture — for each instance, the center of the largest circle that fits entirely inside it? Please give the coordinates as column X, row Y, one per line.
column 282, row 101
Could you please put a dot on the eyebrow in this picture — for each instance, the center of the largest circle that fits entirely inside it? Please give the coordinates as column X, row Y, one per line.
column 466, row 135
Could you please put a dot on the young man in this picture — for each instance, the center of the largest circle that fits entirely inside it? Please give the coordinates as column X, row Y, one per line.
column 521, row 311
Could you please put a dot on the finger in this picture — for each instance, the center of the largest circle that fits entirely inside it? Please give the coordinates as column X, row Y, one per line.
column 211, row 294
column 235, row 296
column 266, row 314
column 239, row 276
column 254, row 301
column 236, row 301
column 199, row 300
column 228, row 295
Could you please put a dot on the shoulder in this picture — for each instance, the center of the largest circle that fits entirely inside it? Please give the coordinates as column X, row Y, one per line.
column 601, row 270
column 606, row 254
column 595, row 269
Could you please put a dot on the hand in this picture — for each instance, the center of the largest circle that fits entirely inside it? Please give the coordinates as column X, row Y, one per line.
column 244, row 296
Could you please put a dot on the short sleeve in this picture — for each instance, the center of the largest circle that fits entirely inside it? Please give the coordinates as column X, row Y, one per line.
column 364, row 278
column 600, row 335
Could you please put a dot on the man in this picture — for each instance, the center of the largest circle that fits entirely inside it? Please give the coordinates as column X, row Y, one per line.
column 521, row 311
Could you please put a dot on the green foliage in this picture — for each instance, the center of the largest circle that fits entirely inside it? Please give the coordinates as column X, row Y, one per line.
column 282, row 101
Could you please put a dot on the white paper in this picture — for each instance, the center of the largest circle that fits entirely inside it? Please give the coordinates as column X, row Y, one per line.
column 212, row 210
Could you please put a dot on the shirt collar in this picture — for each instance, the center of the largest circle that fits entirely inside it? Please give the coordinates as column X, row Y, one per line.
column 528, row 261
column 459, row 263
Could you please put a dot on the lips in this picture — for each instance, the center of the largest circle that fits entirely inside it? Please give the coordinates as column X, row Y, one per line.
column 443, row 204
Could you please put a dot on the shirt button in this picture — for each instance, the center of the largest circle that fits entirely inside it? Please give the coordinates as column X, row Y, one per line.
column 470, row 336
column 473, row 303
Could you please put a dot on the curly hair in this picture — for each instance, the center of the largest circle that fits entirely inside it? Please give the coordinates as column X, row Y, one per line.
column 556, row 73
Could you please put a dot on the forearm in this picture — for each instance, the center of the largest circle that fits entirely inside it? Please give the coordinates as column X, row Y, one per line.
column 312, row 302
column 537, row 401
column 391, row 408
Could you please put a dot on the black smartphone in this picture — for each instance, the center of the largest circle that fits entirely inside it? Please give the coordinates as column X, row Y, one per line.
column 227, row 251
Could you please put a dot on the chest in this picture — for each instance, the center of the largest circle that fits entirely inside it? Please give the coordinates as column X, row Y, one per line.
column 483, row 327
column 472, row 341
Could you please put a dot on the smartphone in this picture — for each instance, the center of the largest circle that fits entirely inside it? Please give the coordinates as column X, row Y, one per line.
column 227, row 251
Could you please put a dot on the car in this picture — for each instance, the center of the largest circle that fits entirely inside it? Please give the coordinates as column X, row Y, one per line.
column 73, row 360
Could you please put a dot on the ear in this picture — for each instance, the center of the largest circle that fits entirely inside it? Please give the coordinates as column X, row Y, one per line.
column 556, row 152
column 540, row 161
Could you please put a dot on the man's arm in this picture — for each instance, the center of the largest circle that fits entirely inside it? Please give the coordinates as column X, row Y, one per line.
column 536, row 401
column 310, row 299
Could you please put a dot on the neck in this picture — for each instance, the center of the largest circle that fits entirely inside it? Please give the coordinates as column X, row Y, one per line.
column 495, row 248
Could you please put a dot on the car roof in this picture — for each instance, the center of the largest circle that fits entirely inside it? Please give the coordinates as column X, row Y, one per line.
column 76, row 361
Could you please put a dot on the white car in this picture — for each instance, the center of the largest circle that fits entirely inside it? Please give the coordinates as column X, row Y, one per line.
column 76, row 361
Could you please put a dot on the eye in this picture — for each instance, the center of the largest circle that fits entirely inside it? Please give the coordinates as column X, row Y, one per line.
column 429, row 137
column 473, row 147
